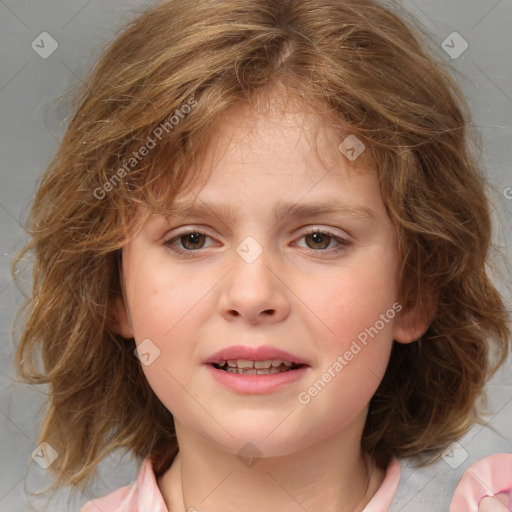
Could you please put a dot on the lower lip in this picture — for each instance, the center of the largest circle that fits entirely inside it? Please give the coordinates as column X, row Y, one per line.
column 257, row 384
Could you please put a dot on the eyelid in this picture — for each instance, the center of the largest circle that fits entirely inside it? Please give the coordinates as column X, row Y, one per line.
column 193, row 228
column 313, row 228
column 185, row 231
column 344, row 242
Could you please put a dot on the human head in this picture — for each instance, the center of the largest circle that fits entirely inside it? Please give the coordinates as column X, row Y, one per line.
column 251, row 279
column 360, row 66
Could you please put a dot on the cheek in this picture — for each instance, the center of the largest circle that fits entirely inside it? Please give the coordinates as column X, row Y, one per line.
column 149, row 316
column 166, row 305
column 354, row 359
column 356, row 297
column 165, row 317
column 158, row 307
column 161, row 295
column 354, row 336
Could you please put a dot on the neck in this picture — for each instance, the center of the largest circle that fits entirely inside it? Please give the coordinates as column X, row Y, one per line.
column 330, row 476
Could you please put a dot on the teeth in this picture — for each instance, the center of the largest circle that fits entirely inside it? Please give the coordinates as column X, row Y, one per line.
column 242, row 363
column 263, row 364
column 254, row 371
column 245, row 364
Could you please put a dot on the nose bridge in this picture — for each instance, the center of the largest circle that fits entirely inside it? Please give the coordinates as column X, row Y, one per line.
column 252, row 267
column 253, row 288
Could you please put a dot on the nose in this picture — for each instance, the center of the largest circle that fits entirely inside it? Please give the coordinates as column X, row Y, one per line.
column 255, row 291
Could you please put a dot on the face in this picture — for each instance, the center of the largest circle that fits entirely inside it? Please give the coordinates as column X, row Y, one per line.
column 320, row 286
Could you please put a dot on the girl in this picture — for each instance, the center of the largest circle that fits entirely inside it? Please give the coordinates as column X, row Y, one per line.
column 261, row 257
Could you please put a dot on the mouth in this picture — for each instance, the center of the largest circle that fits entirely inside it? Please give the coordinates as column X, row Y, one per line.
column 246, row 367
column 262, row 360
column 256, row 370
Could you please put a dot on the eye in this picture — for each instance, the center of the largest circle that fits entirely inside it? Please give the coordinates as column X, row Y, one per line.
column 190, row 240
column 193, row 240
column 321, row 240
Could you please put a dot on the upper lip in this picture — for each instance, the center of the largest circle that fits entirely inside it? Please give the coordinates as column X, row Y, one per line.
column 262, row 353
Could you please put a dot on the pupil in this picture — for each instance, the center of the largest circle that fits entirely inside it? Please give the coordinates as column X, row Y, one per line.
column 317, row 239
column 192, row 238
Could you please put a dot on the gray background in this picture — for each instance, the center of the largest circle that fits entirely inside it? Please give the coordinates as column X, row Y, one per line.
column 32, row 124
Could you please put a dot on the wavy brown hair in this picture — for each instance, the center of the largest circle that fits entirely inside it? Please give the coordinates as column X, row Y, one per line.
column 364, row 68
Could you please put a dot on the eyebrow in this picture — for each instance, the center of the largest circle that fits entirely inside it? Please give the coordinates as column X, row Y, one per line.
column 293, row 210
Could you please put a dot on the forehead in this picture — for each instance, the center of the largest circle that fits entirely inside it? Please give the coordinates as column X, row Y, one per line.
column 277, row 134
column 275, row 127
column 268, row 146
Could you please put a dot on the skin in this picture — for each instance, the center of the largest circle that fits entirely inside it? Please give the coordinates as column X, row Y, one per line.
column 298, row 295
column 497, row 503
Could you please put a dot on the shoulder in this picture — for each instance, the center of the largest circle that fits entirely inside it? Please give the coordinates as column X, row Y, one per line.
column 487, row 477
column 110, row 502
column 383, row 498
column 142, row 494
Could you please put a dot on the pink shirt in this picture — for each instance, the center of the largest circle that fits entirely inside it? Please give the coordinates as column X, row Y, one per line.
column 496, row 471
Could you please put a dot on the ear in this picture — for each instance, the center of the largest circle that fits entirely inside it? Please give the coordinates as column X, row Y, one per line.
column 414, row 320
column 121, row 320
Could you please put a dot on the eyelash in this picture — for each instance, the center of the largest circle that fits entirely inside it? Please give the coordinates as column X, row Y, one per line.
column 342, row 241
